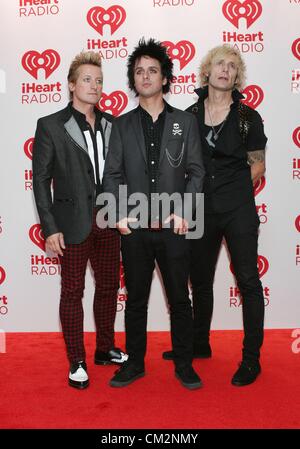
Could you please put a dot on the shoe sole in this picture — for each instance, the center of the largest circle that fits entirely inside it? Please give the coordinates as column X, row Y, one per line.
column 243, row 384
column 103, row 362
column 79, row 385
column 193, row 386
column 117, row 384
column 107, row 362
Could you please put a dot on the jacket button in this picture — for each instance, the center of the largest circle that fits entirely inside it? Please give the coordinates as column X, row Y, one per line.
column 89, row 171
column 90, row 197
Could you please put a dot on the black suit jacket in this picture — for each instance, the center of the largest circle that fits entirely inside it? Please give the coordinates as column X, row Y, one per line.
column 180, row 164
column 60, row 154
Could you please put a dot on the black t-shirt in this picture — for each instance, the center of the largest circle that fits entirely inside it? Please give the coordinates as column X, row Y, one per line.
column 227, row 183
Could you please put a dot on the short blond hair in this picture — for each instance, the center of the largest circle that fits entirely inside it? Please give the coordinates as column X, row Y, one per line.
column 85, row 57
column 219, row 52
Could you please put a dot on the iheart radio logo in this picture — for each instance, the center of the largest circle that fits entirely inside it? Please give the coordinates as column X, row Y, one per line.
column 254, row 96
column 296, row 136
column 114, row 16
column 259, row 185
column 234, row 10
column 2, row 275
column 262, row 266
column 33, row 61
column 297, row 223
column 36, row 236
column 115, row 102
column 28, row 147
column 296, row 48
column 184, row 51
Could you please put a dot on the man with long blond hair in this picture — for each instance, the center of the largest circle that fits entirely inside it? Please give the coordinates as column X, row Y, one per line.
column 233, row 143
column 69, row 149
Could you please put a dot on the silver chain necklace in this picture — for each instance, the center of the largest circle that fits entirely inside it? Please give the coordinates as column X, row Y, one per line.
column 216, row 133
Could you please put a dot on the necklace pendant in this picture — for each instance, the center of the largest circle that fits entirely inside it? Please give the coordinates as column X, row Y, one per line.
column 216, row 136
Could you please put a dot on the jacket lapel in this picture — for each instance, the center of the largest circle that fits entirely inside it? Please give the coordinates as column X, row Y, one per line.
column 75, row 133
column 138, row 131
column 106, row 127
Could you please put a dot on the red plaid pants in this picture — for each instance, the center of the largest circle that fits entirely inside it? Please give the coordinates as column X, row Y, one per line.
column 102, row 248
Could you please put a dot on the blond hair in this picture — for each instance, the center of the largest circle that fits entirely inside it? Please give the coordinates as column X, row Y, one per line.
column 220, row 52
column 85, row 57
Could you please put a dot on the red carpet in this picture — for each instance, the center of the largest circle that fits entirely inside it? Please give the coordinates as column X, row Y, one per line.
column 35, row 394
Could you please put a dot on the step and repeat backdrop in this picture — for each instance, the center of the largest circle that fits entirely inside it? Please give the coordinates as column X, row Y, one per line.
column 39, row 38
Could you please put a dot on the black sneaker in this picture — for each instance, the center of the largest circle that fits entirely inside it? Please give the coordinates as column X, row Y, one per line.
column 78, row 376
column 128, row 373
column 202, row 352
column 246, row 374
column 188, row 377
column 115, row 355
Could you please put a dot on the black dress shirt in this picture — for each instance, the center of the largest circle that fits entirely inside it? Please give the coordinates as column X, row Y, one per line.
column 85, row 126
column 152, row 134
column 227, row 183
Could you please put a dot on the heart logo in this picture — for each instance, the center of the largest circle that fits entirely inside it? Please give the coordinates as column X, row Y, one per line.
column 234, row 10
column 36, row 236
column 114, row 16
column 2, row 275
column 262, row 266
column 259, row 185
column 28, row 147
column 33, row 61
column 115, row 102
column 253, row 96
column 297, row 223
column 296, row 48
column 296, row 136
column 184, row 51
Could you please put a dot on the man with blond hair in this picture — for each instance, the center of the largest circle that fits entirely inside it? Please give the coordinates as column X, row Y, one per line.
column 70, row 147
column 233, row 142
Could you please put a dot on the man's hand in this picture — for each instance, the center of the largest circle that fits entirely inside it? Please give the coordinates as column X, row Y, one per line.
column 257, row 171
column 56, row 243
column 122, row 225
column 181, row 226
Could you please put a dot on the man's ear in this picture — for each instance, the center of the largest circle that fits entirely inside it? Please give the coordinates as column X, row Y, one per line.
column 71, row 85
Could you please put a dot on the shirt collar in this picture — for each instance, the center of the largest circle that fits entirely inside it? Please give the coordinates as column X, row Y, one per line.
column 167, row 108
column 80, row 116
column 202, row 93
column 146, row 114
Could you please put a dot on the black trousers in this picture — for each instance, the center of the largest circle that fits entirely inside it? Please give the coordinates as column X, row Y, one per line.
column 240, row 230
column 171, row 251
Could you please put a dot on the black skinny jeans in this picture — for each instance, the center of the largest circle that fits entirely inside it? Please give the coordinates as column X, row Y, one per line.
column 140, row 250
column 240, row 230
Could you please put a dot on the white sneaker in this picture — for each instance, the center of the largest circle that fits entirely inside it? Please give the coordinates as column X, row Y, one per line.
column 78, row 376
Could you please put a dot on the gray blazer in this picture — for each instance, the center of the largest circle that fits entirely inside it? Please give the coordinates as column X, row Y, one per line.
column 60, row 154
column 180, row 164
